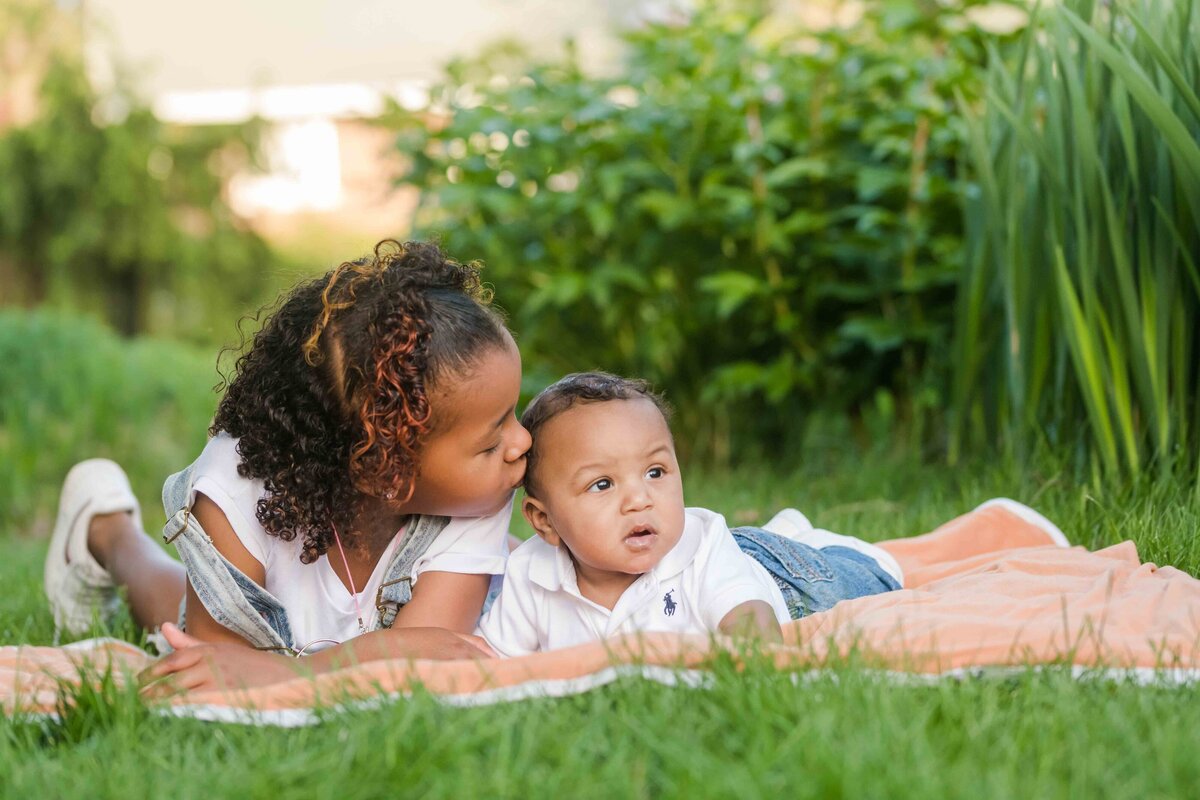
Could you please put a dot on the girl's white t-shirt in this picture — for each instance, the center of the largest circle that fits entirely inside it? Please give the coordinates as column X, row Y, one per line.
column 318, row 604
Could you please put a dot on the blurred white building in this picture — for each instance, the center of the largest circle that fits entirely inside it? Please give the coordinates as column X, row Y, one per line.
column 317, row 71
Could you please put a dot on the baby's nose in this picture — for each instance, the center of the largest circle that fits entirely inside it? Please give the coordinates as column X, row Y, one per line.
column 638, row 498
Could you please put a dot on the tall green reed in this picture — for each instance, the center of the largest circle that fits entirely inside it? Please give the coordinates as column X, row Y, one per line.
column 1077, row 312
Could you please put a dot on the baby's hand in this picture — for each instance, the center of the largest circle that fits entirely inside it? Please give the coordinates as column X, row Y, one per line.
column 752, row 619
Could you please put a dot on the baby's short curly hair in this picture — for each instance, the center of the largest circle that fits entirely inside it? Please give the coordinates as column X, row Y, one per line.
column 576, row 389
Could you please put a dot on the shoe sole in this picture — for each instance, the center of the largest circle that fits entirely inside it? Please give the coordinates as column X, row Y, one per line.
column 76, row 501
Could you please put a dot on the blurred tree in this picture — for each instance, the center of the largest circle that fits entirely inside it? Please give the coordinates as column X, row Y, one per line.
column 104, row 208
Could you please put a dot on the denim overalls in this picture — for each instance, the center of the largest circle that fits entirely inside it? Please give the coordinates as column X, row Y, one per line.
column 239, row 604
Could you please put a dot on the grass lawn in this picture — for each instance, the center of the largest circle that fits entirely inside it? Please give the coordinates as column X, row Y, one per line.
column 754, row 734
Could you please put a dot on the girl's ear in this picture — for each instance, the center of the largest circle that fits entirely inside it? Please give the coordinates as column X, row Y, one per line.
column 539, row 520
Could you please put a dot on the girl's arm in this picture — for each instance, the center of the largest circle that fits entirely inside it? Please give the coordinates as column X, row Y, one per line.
column 214, row 522
column 450, row 600
column 211, row 656
column 436, row 624
column 197, row 665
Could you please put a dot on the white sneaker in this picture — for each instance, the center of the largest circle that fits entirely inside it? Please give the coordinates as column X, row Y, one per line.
column 78, row 588
column 789, row 523
column 1029, row 515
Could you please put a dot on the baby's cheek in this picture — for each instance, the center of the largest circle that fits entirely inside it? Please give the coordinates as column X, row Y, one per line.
column 678, row 520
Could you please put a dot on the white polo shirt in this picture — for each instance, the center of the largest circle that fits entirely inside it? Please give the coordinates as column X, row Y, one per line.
column 703, row 577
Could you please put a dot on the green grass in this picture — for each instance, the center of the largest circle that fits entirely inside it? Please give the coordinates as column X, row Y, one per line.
column 753, row 734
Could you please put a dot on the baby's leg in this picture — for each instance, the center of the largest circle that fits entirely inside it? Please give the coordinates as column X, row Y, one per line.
column 153, row 581
column 791, row 524
column 815, row 578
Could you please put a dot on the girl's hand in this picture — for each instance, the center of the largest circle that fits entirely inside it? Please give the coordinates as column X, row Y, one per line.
column 196, row 665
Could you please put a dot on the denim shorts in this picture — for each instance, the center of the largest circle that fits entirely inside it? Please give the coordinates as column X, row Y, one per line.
column 814, row 579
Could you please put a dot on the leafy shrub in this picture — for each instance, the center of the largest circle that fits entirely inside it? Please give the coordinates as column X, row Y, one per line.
column 764, row 221
column 70, row 389
column 1081, row 295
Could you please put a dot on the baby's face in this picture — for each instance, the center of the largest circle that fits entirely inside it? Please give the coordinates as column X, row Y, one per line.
column 610, row 485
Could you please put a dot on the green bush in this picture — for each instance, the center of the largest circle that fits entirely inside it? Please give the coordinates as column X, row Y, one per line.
column 763, row 221
column 71, row 389
column 1081, row 294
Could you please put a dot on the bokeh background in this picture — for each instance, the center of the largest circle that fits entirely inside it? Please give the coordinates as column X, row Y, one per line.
column 956, row 230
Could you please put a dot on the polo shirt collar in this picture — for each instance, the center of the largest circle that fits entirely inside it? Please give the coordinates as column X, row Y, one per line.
column 683, row 553
column 552, row 569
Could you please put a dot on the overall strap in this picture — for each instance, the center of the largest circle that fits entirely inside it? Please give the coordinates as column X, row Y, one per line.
column 232, row 598
column 396, row 590
column 176, row 490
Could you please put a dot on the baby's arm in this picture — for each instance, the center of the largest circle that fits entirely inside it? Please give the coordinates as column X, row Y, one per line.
column 752, row 619
column 737, row 602
column 510, row 627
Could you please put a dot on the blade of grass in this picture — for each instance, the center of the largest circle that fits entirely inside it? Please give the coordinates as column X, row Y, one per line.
column 1083, row 349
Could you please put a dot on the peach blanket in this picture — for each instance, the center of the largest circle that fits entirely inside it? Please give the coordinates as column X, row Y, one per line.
column 987, row 590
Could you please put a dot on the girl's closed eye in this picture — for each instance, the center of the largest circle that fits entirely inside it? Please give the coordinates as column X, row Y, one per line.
column 600, row 485
column 490, row 450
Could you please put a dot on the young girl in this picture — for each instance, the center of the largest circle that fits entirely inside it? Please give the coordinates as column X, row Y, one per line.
column 352, row 502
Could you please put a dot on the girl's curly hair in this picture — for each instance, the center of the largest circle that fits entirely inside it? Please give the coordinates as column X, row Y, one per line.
column 331, row 402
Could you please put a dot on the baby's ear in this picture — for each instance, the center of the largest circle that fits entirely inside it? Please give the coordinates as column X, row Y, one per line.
column 539, row 520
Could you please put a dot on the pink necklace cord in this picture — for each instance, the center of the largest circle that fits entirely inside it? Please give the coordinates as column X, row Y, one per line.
column 353, row 589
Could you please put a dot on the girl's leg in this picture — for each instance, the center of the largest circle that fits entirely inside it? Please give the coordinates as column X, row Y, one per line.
column 153, row 581
column 98, row 546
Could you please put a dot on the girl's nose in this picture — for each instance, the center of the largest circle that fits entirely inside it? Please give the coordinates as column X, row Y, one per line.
column 519, row 445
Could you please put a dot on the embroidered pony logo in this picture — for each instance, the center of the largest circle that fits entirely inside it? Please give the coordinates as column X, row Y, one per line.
column 669, row 604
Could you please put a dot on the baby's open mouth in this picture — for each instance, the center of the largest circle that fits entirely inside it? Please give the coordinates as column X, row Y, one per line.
column 641, row 537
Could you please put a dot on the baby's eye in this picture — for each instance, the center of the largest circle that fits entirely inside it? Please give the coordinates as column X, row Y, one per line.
column 655, row 472
column 601, row 485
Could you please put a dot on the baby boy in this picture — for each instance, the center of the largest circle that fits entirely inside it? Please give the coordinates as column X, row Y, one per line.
column 618, row 552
